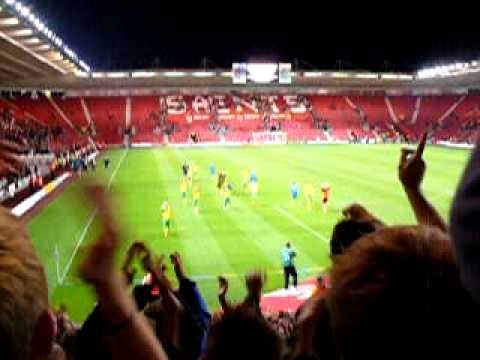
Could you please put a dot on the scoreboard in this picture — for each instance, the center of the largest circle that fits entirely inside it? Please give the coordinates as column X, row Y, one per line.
column 262, row 73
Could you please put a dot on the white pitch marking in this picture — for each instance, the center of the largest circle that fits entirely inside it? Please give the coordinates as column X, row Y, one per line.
column 301, row 224
column 89, row 223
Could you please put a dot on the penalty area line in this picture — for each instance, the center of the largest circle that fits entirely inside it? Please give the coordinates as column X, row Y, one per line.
column 300, row 223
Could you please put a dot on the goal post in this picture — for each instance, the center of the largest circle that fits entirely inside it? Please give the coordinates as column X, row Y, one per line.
column 269, row 137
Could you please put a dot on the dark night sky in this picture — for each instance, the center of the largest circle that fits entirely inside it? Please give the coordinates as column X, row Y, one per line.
column 395, row 35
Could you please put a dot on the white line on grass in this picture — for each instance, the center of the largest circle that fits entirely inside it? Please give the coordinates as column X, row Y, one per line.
column 301, row 224
column 89, row 223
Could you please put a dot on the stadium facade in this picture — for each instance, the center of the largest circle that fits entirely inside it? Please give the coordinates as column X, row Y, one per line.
column 41, row 78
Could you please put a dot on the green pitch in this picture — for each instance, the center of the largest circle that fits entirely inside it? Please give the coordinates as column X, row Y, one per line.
column 247, row 236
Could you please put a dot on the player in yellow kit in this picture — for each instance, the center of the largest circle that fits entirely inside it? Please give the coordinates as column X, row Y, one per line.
column 245, row 180
column 196, row 200
column 193, row 173
column 309, row 195
column 166, row 217
column 184, row 188
column 190, row 176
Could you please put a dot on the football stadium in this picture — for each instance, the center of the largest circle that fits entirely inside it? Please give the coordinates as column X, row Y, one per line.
column 179, row 212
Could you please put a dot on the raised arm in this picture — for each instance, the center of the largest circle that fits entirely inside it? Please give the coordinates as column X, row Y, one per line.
column 131, row 335
column 411, row 172
column 222, row 294
column 254, row 283
column 171, row 303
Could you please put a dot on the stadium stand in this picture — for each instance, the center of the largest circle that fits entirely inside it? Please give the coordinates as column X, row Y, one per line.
column 217, row 118
column 108, row 117
column 145, row 118
column 72, row 108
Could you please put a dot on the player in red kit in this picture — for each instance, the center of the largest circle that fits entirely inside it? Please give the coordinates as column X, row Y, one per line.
column 326, row 190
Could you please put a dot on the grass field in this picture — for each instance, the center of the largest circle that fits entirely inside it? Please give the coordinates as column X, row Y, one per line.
column 247, row 236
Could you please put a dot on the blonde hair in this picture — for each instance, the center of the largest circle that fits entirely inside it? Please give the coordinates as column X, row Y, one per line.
column 23, row 288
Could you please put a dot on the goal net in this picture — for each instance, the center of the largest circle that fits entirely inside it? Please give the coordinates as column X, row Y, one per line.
column 267, row 137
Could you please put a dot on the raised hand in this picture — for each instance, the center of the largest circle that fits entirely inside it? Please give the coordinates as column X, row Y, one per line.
column 222, row 286
column 255, row 281
column 130, row 333
column 99, row 265
column 411, row 169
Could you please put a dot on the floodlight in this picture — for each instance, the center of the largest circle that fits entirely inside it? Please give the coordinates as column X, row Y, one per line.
column 117, row 75
column 174, row 73
column 313, row 74
column 366, row 76
column 262, row 73
column 340, row 75
column 203, row 74
column 39, row 25
column 143, row 74
column 84, row 66
column 25, row 11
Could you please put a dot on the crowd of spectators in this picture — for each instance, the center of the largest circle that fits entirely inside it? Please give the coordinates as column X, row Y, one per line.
column 219, row 127
column 26, row 171
column 468, row 128
column 395, row 292
column 161, row 123
column 27, row 132
column 35, row 154
column 321, row 123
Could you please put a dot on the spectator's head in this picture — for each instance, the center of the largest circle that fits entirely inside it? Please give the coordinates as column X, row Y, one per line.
column 357, row 223
column 321, row 282
column 243, row 334
column 155, row 312
column 400, row 287
column 347, row 231
column 26, row 325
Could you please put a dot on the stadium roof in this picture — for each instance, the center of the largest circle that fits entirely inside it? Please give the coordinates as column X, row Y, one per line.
column 194, row 81
column 29, row 49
